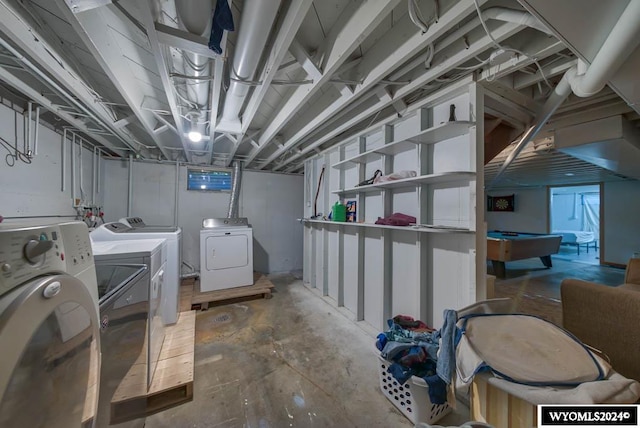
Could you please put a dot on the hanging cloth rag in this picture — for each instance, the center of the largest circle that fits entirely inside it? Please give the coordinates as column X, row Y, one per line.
column 222, row 20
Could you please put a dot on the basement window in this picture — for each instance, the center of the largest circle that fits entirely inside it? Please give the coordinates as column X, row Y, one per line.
column 208, row 180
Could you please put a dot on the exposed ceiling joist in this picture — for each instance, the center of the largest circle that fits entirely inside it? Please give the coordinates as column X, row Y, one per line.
column 164, row 76
column 36, row 96
column 396, row 49
column 290, row 25
column 304, row 59
column 43, row 57
column 521, row 81
column 459, row 57
column 94, row 28
column 346, row 35
column 184, row 40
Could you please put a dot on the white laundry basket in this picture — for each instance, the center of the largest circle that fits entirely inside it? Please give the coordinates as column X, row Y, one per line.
column 412, row 398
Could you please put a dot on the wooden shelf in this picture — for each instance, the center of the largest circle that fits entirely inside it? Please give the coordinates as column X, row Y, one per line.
column 428, row 136
column 415, row 228
column 444, row 177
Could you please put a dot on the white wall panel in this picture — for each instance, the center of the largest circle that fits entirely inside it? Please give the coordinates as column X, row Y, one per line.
column 621, row 221
column 271, row 202
column 452, row 155
column 530, row 215
column 452, row 281
column 405, row 281
column 35, row 189
column 373, row 279
column 332, row 262
column 350, row 274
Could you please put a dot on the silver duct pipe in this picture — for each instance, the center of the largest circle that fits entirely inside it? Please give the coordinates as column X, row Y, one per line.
column 130, row 188
column 621, row 41
column 257, row 19
column 235, row 190
column 195, row 17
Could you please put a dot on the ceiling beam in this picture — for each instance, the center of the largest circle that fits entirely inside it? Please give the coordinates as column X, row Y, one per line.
column 164, row 75
column 94, row 27
column 396, row 48
column 39, row 53
column 539, row 49
column 447, row 61
column 352, row 28
column 17, row 83
column 304, row 59
column 521, row 81
column 184, row 40
column 290, row 25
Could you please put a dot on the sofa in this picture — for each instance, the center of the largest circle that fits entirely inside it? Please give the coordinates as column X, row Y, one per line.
column 607, row 318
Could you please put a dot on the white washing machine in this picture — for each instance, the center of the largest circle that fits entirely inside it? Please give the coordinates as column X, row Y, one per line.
column 120, row 231
column 226, row 254
column 152, row 253
column 49, row 327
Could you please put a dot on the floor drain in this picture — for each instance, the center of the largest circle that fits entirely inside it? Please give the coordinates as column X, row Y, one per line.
column 221, row 318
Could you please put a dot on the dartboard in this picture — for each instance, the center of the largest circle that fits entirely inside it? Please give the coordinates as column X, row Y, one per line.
column 502, row 204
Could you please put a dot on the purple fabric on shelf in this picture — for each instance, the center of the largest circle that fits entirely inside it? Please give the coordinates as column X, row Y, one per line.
column 396, row 219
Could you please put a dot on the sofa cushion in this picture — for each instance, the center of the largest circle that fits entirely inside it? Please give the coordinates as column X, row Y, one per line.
column 629, row 286
column 606, row 318
column 632, row 273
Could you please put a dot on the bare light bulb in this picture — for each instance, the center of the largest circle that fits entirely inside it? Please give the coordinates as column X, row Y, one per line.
column 195, row 136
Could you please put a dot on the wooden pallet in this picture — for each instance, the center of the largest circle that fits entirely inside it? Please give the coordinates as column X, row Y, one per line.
column 202, row 300
column 172, row 382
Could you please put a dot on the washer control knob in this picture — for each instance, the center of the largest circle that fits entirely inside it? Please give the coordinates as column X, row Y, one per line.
column 34, row 250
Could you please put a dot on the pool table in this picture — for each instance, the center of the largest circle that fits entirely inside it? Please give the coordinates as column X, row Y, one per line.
column 509, row 246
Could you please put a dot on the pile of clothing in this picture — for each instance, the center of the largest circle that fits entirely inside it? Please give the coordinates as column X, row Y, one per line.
column 415, row 349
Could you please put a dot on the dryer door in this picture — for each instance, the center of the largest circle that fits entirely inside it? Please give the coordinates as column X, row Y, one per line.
column 50, row 342
column 227, row 250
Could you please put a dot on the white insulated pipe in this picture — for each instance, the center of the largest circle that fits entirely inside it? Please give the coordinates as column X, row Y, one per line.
column 257, row 19
column 73, row 168
column 620, row 43
column 27, row 135
column 622, row 40
column 516, row 16
column 35, row 132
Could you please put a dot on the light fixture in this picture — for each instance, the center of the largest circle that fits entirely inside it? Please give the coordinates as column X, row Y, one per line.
column 569, row 174
column 195, row 136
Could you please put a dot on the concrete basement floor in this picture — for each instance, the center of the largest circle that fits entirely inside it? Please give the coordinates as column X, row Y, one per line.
column 290, row 361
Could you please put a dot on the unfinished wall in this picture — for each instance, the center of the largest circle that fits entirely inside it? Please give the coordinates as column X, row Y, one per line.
column 621, row 221
column 35, row 189
column 530, row 215
column 270, row 201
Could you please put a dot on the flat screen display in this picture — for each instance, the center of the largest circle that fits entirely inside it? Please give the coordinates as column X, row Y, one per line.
column 208, row 180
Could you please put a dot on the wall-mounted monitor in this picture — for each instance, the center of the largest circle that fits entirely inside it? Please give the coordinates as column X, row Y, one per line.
column 208, row 180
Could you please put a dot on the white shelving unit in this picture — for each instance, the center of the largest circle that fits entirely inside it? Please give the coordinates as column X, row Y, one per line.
column 377, row 271
column 431, row 228
column 446, row 177
column 428, row 136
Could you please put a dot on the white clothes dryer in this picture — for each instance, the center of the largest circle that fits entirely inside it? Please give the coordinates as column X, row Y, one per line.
column 119, row 231
column 49, row 327
column 226, row 254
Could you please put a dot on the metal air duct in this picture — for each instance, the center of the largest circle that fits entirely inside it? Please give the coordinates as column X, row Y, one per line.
column 235, row 190
column 257, row 19
column 195, row 17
